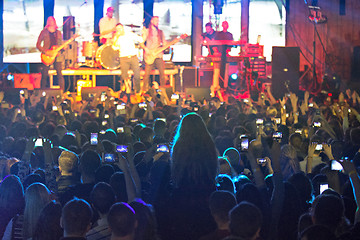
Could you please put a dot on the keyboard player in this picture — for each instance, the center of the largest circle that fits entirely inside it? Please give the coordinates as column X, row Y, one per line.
column 209, row 35
column 223, row 50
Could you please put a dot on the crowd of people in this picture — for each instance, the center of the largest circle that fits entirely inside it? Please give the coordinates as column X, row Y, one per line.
column 106, row 168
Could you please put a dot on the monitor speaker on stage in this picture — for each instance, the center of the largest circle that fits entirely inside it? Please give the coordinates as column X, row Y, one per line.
column 12, row 95
column 69, row 27
column 92, row 92
column 285, row 70
column 200, row 93
column 168, row 91
column 52, row 94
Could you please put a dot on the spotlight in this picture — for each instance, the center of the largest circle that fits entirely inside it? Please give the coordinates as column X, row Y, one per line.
column 234, row 76
column 233, row 79
column 10, row 77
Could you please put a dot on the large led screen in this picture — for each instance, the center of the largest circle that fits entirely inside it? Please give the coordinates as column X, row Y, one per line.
column 23, row 21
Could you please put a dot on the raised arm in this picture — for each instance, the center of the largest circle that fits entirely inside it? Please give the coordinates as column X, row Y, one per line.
column 277, row 197
column 129, row 181
column 310, row 156
column 350, row 169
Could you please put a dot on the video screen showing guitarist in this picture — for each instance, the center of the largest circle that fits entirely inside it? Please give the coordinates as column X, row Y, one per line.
column 154, row 38
column 50, row 36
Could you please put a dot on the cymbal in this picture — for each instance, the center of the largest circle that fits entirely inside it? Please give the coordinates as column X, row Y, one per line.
column 132, row 26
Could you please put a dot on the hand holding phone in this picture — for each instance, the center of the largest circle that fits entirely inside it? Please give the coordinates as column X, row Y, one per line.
column 162, row 148
column 122, row 148
column 323, row 187
column 319, row 147
column 277, row 135
column 93, row 138
column 317, row 124
column 259, row 121
column 109, row 158
column 244, row 144
column 336, row 166
column 38, row 142
column 261, row 161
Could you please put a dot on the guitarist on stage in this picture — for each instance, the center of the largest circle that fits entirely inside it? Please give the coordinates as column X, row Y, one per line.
column 49, row 37
column 154, row 38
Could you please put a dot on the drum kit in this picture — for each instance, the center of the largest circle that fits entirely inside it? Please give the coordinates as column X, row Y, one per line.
column 104, row 56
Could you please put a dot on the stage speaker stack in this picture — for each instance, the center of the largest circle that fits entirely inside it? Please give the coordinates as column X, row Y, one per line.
column 206, row 77
column 355, row 65
column 69, row 27
column 285, row 70
column 71, row 55
column 189, row 76
column 200, row 93
column 71, row 50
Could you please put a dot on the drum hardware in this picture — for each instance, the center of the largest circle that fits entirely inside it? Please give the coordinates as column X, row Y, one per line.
column 132, row 26
column 88, row 51
column 108, row 57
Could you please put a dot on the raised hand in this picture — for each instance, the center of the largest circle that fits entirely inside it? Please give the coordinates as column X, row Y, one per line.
column 293, row 98
column 328, row 151
column 283, row 101
column 341, row 97
column 348, row 93
column 306, row 96
column 347, row 165
column 311, row 149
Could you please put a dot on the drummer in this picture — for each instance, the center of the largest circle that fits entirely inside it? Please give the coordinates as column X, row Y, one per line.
column 107, row 26
column 125, row 41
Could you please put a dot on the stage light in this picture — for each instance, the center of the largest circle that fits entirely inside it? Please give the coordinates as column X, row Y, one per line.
column 233, row 80
column 10, row 77
column 234, row 76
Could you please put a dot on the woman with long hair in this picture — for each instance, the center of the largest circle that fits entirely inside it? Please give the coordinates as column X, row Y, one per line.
column 186, row 215
column 193, row 155
column 48, row 225
column 11, row 200
column 37, row 196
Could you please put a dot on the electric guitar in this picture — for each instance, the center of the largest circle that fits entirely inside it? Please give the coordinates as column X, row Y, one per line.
column 49, row 56
column 151, row 55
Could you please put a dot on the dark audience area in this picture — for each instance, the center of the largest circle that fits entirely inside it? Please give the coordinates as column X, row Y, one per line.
column 257, row 168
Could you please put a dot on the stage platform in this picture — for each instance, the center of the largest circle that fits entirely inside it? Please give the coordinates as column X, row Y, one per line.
column 91, row 74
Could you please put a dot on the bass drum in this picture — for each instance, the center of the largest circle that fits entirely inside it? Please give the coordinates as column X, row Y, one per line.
column 108, row 57
column 89, row 48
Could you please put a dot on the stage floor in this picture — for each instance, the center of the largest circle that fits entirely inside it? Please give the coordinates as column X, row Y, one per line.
column 93, row 72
